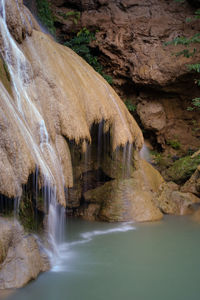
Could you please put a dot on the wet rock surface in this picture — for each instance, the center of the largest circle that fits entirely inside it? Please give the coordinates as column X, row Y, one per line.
column 21, row 257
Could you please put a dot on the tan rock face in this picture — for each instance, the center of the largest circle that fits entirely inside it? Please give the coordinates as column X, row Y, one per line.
column 130, row 44
column 22, row 258
column 131, row 35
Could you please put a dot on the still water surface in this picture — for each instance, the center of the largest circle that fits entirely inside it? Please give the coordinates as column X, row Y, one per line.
column 100, row 261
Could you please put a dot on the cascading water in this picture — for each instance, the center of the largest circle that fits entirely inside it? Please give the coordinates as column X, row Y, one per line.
column 145, row 153
column 34, row 131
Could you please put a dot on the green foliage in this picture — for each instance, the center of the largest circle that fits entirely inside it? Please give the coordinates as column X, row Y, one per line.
column 194, row 67
column 187, row 53
column 175, row 144
column 195, row 103
column 131, row 107
column 81, row 45
column 185, row 41
column 45, row 15
column 195, row 17
column 74, row 15
column 156, row 157
column 182, row 40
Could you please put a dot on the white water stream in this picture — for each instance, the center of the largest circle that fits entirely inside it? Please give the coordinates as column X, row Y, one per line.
column 145, row 153
column 21, row 76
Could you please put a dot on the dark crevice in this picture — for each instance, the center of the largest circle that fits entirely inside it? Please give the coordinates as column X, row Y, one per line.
column 93, row 179
column 6, row 205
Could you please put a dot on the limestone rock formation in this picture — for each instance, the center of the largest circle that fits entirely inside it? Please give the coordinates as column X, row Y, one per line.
column 56, row 97
column 21, row 257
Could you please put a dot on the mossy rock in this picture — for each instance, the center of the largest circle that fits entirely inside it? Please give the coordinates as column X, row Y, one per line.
column 183, row 168
column 5, row 76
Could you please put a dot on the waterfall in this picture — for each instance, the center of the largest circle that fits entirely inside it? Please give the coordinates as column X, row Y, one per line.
column 145, row 153
column 34, row 131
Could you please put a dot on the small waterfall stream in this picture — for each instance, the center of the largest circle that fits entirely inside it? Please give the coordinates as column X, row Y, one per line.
column 34, row 131
column 145, row 153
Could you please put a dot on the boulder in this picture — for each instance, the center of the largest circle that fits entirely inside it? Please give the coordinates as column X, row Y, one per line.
column 21, row 256
column 172, row 201
column 193, row 184
column 121, row 200
column 130, row 199
column 152, row 115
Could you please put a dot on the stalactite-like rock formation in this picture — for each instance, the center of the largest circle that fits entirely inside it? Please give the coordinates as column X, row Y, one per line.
column 56, row 88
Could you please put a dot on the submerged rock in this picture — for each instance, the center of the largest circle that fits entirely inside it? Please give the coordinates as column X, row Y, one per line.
column 21, row 256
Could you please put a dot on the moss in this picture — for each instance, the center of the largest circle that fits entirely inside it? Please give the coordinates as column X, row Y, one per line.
column 183, row 168
column 5, row 75
column 30, row 217
column 6, row 71
column 3, row 252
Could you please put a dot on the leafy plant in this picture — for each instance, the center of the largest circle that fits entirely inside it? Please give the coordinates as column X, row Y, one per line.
column 45, row 15
column 131, row 107
column 187, row 42
column 195, row 103
column 81, row 45
column 74, row 15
